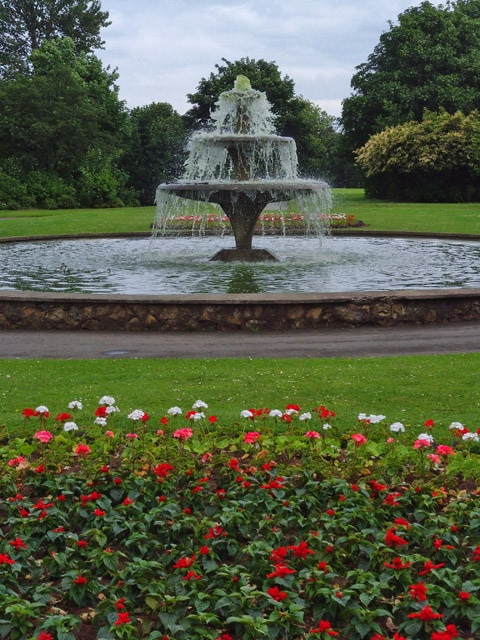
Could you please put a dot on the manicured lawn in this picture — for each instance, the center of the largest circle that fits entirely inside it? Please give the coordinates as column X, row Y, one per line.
column 377, row 215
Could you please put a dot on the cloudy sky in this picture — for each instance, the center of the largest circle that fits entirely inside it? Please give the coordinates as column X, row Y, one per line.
column 163, row 48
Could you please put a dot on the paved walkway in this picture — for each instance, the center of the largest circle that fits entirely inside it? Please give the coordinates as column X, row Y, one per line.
column 321, row 343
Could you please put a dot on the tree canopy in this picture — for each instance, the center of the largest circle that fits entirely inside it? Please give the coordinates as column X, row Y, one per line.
column 26, row 24
column 429, row 60
column 61, row 130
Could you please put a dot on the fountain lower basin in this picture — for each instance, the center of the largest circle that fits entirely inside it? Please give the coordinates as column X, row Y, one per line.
column 178, row 266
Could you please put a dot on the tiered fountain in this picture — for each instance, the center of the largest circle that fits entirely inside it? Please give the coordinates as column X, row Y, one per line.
column 241, row 165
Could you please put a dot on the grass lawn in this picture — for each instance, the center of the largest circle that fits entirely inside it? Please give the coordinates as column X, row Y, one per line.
column 376, row 214
column 410, row 389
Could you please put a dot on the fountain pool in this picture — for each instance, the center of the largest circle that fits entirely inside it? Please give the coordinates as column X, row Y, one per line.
column 168, row 266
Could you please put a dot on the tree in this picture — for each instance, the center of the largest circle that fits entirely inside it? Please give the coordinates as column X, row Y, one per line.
column 61, row 129
column 26, row 24
column 429, row 60
column 154, row 149
column 436, row 160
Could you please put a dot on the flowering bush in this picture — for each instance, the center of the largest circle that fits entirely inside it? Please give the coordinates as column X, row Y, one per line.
column 278, row 529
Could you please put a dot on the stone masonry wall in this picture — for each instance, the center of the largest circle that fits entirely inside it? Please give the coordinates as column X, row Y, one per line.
column 272, row 312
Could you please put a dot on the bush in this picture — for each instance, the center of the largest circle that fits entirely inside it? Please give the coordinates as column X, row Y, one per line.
column 436, row 160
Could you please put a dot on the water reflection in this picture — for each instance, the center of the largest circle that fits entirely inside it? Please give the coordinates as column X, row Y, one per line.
column 243, row 280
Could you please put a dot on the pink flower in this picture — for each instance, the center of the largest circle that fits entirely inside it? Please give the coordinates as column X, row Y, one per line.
column 183, row 434
column 359, row 439
column 109, row 434
column 251, row 437
column 312, row 435
column 422, row 443
column 43, row 436
column 445, row 450
column 131, row 436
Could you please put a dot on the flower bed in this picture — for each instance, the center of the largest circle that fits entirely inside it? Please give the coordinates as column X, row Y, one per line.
column 282, row 525
column 268, row 222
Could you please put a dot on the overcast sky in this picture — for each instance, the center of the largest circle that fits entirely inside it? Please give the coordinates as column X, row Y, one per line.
column 163, row 48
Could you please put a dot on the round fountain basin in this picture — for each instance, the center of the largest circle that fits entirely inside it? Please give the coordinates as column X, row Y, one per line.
column 183, row 266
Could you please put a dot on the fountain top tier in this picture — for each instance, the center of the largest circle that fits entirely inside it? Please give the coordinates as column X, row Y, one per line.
column 240, row 164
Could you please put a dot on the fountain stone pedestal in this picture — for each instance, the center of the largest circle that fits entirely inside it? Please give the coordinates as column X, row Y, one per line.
column 242, row 166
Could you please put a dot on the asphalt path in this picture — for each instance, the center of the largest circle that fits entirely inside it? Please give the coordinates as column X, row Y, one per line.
column 462, row 337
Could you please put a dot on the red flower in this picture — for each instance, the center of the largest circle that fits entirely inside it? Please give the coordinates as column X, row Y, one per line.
column 18, row 543
column 418, row 592
column 429, row 423
column 83, row 450
column 392, row 540
column 397, row 563
column 212, row 419
column 191, row 575
column 45, row 636
column 184, row 563
column 99, row 512
column 324, row 626
column 281, row 570
column 28, row 413
column 301, row 550
column 429, row 566
column 162, row 470
column 276, row 594
column 449, row 633
column 82, row 544
column 464, row 595
column 426, row 614
column 123, row 618
column 4, row 559
column 204, row 550
column 119, row 605
column 80, row 580
column 63, row 417
column 128, row 501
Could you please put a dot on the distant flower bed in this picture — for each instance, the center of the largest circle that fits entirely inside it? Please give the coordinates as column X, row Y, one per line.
column 285, row 524
column 268, row 221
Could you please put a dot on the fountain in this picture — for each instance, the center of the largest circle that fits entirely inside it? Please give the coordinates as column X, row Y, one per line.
column 242, row 166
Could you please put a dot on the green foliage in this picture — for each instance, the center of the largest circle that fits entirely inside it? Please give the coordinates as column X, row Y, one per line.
column 26, row 24
column 61, row 132
column 437, row 159
column 153, row 151
column 429, row 60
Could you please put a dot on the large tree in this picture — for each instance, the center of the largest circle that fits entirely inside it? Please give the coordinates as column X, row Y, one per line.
column 312, row 128
column 61, row 128
column 429, row 60
column 154, row 149
column 26, row 24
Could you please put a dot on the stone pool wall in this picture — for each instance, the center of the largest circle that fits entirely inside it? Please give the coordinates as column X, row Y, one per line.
column 254, row 312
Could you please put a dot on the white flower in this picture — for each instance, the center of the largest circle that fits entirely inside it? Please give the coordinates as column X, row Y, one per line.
column 101, row 421
column 396, row 427
column 75, row 405
column 70, row 426
column 137, row 414
column 199, row 404
column 426, row 436
column 174, row 411
column 327, row 426
column 305, row 416
column 111, row 409
column 198, row 415
column 290, row 412
column 107, row 400
column 246, row 414
column 372, row 418
column 471, row 436
column 456, row 425
column 42, row 409
column 275, row 413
